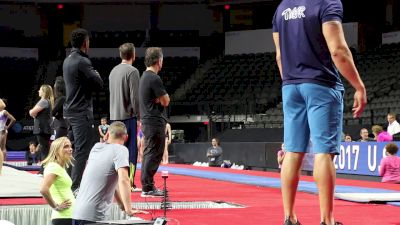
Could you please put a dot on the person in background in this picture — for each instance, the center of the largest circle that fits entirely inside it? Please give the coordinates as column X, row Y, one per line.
column 347, row 138
column 42, row 120
column 153, row 99
column 105, row 177
column 32, row 155
column 393, row 125
column 56, row 184
column 6, row 121
column 214, row 153
column 59, row 124
column 168, row 138
column 364, row 134
column 124, row 102
column 312, row 54
column 380, row 134
column 389, row 168
column 140, row 142
column 103, row 128
column 81, row 80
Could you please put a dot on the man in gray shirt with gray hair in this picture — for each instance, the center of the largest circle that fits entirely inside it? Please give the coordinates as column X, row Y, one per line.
column 106, row 169
column 124, row 101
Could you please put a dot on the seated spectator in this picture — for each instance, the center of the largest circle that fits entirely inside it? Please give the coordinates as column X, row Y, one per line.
column 32, row 156
column 393, row 125
column 347, row 138
column 364, row 134
column 380, row 134
column 390, row 165
column 214, row 154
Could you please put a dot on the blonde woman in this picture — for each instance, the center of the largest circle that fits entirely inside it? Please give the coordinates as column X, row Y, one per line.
column 4, row 118
column 42, row 120
column 56, row 184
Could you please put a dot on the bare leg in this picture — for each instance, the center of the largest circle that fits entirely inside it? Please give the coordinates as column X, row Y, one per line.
column 290, row 176
column 325, row 176
column 2, row 150
column 165, row 155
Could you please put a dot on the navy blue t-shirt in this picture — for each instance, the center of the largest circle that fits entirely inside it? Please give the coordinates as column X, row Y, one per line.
column 304, row 53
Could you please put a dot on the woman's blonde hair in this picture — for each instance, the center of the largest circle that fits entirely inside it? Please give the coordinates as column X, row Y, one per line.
column 2, row 104
column 377, row 129
column 55, row 151
column 48, row 94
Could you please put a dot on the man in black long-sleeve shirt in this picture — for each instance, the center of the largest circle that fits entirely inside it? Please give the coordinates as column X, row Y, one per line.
column 81, row 79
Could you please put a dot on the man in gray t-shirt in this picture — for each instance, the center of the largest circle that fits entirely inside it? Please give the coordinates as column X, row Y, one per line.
column 106, row 168
column 124, row 100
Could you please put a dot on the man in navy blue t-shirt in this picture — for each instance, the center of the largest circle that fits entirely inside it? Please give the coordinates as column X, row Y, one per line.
column 310, row 50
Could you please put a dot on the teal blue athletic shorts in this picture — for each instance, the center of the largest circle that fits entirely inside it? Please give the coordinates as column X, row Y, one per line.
column 313, row 113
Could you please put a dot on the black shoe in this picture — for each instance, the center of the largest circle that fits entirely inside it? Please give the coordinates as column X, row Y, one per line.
column 152, row 193
column 288, row 222
column 336, row 223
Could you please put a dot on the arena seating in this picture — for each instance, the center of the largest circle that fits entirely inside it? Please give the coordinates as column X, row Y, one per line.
column 112, row 39
column 250, row 84
column 235, row 83
column 175, row 71
column 162, row 38
column 17, row 79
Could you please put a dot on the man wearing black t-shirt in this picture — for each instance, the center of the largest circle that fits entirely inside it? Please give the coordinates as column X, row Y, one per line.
column 153, row 98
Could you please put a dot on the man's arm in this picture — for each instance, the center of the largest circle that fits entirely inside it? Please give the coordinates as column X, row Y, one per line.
column 134, row 79
column 275, row 36
column 160, row 92
column 341, row 56
column 86, row 67
column 123, row 190
column 164, row 100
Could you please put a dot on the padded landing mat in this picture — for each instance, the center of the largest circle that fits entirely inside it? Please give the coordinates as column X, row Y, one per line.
column 15, row 183
column 369, row 197
column 22, row 166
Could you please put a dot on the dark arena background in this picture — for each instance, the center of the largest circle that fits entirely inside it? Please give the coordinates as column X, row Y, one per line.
column 221, row 75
